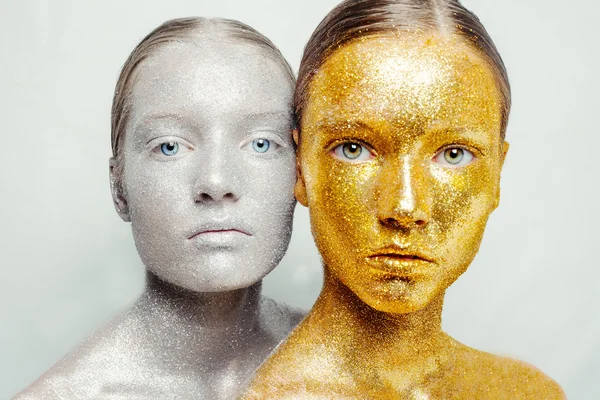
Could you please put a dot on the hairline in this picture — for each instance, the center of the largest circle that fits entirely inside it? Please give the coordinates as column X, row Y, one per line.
column 398, row 33
column 198, row 30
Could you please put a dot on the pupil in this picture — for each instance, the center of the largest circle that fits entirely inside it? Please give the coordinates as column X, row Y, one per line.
column 171, row 146
column 352, row 150
column 454, row 156
column 261, row 145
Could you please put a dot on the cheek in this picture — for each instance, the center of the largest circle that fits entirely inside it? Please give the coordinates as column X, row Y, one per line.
column 463, row 201
column 268, row 190
column 267, row 199
column 156, row 193
column 340, row 198
column 271, row 181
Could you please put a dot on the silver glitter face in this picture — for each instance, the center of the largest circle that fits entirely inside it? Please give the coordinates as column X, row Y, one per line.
column 209, row 165
column 205, row 174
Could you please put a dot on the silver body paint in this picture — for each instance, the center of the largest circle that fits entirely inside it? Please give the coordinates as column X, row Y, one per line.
column 209, row 223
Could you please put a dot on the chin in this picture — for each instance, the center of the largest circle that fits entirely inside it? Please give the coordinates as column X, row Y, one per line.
column 211, row 279
column 403, row 299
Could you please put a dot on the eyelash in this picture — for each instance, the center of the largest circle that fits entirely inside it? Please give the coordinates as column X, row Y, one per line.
column 338, row 150
column 179, row 144
column 274, row 143
column 441, row 158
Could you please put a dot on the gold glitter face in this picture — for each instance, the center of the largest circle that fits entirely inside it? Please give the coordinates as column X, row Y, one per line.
column 400, row 158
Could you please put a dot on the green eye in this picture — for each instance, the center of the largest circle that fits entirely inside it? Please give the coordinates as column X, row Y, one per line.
column 352, row 152
column 454, row 157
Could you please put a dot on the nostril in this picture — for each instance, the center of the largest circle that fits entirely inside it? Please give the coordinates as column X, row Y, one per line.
column 215, row 197
column 205, row 197
column 404, row 223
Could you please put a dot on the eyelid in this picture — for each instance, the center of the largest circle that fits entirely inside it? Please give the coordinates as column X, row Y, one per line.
column 331, row 145
column 154, row 148
column 440, row 153
column 166, row 139
column 473, row 150
column 265, row 134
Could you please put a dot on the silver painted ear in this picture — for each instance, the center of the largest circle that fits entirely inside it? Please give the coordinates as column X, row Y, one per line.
column 116, row 189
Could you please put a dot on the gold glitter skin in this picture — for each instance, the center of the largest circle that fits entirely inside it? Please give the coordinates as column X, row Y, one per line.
column 399, row 163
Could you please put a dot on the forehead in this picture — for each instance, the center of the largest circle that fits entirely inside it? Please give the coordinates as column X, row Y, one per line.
column 208, row 77
column 412, row 79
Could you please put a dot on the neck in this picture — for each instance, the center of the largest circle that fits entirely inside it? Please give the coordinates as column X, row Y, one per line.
column 365, row 328
column 200, row 326
column 207, row 310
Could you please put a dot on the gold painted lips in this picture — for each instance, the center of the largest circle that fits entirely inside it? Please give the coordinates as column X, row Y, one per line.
column 400, row 261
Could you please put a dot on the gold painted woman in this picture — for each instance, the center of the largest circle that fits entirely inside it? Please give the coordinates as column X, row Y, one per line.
column 402, row 108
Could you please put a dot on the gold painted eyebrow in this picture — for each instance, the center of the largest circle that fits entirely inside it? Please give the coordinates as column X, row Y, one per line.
column 466, row 133
column 475, row 138
column 343, row 126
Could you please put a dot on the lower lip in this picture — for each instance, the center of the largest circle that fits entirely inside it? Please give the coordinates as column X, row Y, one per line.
column 401, row 267
column 219, row 239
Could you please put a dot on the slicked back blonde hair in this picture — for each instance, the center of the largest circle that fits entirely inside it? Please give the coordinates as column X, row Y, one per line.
column 354, row 19
column 177, row 30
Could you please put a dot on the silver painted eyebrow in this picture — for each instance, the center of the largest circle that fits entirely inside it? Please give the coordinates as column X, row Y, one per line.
column 267, row 114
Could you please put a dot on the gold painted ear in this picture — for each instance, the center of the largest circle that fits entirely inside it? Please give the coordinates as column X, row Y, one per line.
column 505, row 147
column 300, row 187
column 116, row 189
column 300, row 191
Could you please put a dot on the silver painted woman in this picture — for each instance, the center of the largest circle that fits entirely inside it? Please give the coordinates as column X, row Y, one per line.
column 203, row 167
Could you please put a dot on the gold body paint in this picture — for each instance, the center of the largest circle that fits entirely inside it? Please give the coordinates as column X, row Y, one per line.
column 397, row 220
column 406, row 103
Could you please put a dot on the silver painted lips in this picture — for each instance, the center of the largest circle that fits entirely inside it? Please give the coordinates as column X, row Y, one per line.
column 219, row 234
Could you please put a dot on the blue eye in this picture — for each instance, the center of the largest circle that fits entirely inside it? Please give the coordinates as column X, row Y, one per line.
column 454, row 157
column 169, row 148
column 352, row 152
column 261, row 145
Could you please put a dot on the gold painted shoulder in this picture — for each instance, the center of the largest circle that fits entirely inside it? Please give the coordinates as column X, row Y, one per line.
column 497, row 377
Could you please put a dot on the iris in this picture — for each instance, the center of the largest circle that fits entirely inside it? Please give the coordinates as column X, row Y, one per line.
column 261, row 145
column 170, row 148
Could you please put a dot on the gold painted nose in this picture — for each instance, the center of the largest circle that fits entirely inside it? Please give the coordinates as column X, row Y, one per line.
column 404, row 200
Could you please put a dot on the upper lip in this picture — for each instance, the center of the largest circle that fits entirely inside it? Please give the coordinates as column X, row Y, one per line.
column 400, row 252
column 214, row 227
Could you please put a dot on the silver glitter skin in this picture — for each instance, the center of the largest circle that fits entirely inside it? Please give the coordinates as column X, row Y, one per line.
column 209, row 223
column 214, row 102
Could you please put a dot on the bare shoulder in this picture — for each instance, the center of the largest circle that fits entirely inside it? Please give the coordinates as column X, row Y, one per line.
column 503, row 377
column 83, row 372
column 308, row 379
column 302, row 369
column 299, row 391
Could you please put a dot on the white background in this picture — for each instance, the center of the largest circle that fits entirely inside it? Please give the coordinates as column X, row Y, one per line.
column 68, row 263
